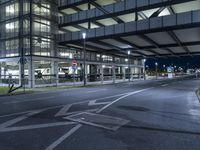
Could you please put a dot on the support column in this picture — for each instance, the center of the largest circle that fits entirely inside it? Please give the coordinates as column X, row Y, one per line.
column 20, row 78
column 101, row 74
column 93, row 73
column 124, row 73
column 119, row 70
column 54, row 71
column 31, row 74
column 141, row 72
column 132, row 72
column 113, row 73
column 86, row 73
column 0, row 70
column 4, row 70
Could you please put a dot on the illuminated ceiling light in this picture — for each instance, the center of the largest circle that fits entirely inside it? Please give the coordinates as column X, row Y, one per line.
column 84, row 35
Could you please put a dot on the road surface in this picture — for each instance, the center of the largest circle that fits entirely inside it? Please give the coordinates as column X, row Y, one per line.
column 141, row 115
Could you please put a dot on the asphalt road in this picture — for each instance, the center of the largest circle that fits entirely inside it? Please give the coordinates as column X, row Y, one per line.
column 141, row 115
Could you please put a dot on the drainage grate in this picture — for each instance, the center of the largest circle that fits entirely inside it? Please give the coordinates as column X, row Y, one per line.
column 97, row 120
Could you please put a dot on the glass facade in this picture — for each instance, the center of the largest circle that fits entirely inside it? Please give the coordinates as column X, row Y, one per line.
column 36, row 23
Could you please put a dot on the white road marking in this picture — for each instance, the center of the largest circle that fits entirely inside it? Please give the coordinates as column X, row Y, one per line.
column 96, row 91
column 52, row 107
column 93, row 103
column 5, row 126
column 23, row 112
column 115, row 121
column 107, row 97
column 31, row 100
column 18, row 119
column 14, row 114
column 165, row 85
column 63, row 110
column 38, row 126
column 129, row 94
column 40, row 99
column 62, row 138
column 65, row 136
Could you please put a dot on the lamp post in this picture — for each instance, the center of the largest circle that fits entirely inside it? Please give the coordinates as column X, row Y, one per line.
column 129, row 52
column 84, row 58
column 144, row 60
column 156, row 64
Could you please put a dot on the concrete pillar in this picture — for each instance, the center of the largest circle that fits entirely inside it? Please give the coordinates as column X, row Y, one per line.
column 93, row 72
column 101, row 74
column 1, row 77
column 20, row 78
column 113, row 73
column 132, row 72
column 119, row 71
column 124, row 73
column 86, row 72
column 0, row 69
column 109, row 70
column 31, row 74
column 4, row 70
column 54, row 71
column 141, row 72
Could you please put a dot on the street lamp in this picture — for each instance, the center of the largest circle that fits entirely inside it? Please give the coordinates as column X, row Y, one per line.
column 144, row 60
column 129, row 52
column 84, row 57
column 156, row 64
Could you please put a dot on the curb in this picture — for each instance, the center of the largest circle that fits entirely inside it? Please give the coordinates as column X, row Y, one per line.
column 14, row 94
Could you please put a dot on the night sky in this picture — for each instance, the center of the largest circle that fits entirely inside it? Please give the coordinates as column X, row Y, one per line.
column 184, row 62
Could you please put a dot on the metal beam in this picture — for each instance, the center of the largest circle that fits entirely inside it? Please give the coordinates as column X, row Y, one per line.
column 104, row 51
column 105, row 12
column 94, row 22
column 146, row 38
column 176, row 39
column 156, row 13
column 111, row 46
column 76, row 8
column 173, row 45
column 132, row 45
column 107, row 45
column 125, row 50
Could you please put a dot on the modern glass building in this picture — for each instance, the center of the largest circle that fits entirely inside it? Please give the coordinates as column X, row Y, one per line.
column 41, row 41
column 27, row 29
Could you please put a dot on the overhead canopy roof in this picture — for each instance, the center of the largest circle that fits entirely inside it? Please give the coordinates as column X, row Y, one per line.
column 165, row 42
